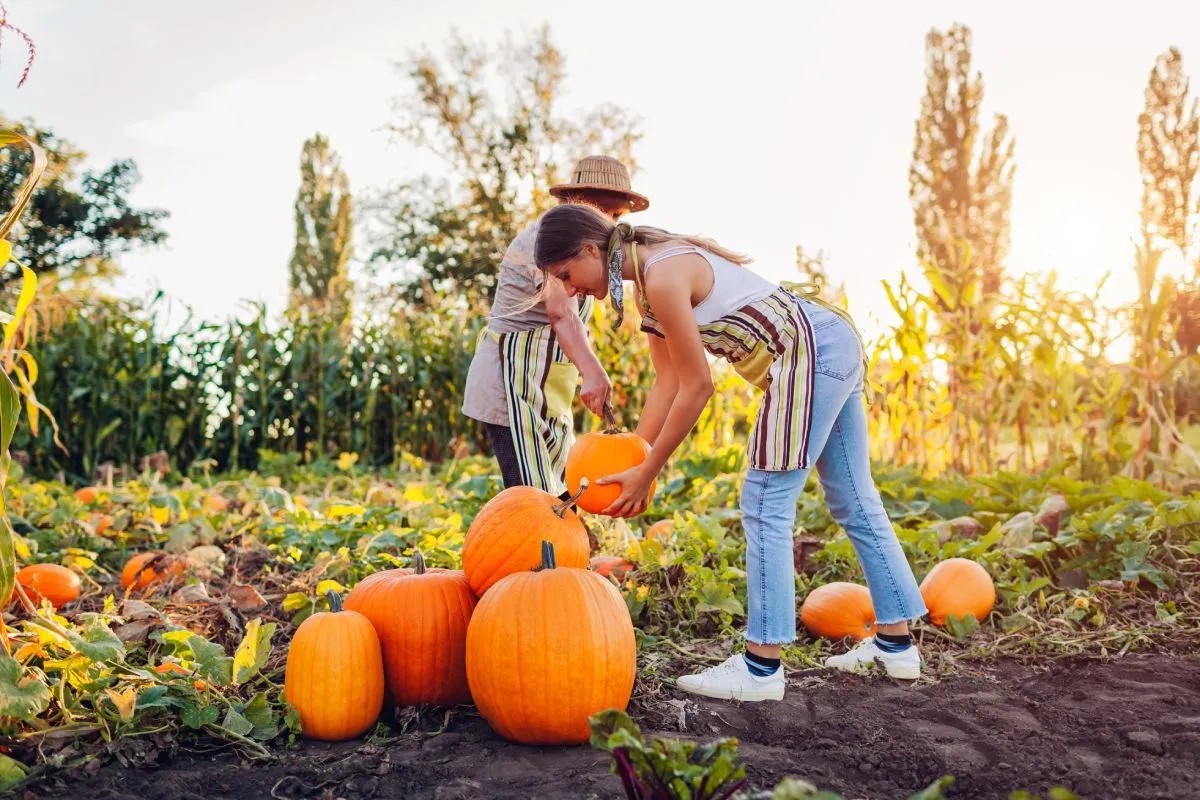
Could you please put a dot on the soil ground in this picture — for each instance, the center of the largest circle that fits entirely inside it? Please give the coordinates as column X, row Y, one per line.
column 1126, row 728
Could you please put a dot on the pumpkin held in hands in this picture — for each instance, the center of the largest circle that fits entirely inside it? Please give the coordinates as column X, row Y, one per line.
column 421, row 617
column 601, row 454
column 958, row 587
column 57, row 584
column 334, row 674
column 547, row 649
column 507, row 533
column 837, row 610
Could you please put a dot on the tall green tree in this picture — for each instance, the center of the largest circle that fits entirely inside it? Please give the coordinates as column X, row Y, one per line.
column 960, row 179
column 492, row 117
column 960, row 186
column 324, row 230
column 79, row 220
column 1166, row 316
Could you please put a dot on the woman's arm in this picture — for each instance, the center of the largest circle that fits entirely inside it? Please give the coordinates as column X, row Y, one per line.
column 563, row 312
column 669, row 292
column 662, row 393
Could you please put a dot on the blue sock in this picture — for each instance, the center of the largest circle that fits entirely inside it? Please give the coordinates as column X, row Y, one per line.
column 760, row 667
column 893, row 644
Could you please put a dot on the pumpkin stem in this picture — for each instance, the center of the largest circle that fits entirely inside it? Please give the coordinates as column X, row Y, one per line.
column 547, row 556
column 335, row 600
column 418, row 562
column 610, row 420
column 561, row 508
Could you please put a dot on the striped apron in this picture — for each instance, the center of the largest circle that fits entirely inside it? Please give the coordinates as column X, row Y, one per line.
column 539, row 385
column 770, row 343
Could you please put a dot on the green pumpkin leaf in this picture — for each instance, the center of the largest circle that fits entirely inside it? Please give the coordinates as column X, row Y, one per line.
column 98, row 642
column 12, row 772
column 961, row 627
column 21, row 696
column 236, row 723
column 258, row 712
column 196, row 717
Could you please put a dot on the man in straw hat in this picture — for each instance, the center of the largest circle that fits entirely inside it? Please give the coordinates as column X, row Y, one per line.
column 529, row 358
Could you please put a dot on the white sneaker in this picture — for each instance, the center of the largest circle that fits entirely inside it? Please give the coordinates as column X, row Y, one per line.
column 905, row 665
column 732, row 680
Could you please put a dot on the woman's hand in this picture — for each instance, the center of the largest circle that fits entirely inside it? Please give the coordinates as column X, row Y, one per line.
column 596, row 391
column 635, row 490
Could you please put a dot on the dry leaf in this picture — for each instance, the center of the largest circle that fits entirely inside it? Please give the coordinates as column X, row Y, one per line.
column 245, row 597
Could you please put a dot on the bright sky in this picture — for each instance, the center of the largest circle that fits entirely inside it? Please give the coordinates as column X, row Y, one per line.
column 767, row 124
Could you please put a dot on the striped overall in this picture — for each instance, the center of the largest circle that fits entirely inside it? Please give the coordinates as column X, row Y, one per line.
column 769, row 342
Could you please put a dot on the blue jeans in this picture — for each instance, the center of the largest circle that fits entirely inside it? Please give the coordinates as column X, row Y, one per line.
column 839, row 434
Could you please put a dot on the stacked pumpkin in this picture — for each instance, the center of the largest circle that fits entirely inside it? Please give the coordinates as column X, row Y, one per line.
column 955, row 587
column 548, row 644
column 551, row 643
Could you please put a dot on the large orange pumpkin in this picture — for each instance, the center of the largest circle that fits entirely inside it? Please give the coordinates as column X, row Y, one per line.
column 146, row 568
column 546, row 650
column 87, row 495
column 505, row 536
column 421, row 617
column 958, row 587
column 599, row 455
column 57, row 584
column 334, row 674
column 837, row 610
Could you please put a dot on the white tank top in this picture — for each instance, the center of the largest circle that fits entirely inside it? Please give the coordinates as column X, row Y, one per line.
column 734, row 286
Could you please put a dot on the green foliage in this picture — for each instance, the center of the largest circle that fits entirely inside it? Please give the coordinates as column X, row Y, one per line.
column 317, row 271
column 123, row 388
column 76, row 223
column 502, row 152
column 666, row 769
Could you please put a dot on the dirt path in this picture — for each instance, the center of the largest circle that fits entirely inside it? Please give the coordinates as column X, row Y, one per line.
column 1127, row 728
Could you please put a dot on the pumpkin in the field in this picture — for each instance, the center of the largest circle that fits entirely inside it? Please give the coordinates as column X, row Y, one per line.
column 146, row 568
column 601, row 454
column 958, row 587
column 614, row 566
column 506, row 536
column 334, row 674
column 660, row 531
column 546, row 650
column 57, row 584
column 102, row 523
column 837, row 610
column 87, row 495
column 421, row 617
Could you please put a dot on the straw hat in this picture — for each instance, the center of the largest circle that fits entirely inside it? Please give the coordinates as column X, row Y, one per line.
column 604, row 174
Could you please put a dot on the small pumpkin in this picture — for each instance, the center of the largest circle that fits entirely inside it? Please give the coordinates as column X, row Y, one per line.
column 421, row 617
column 601, row 454
column 837, row 610
column 334, row 674
column 547, row 649
column 146, row 568
column 614, row 566
column 215, row 503
column 958, row 587
column 660, row 531
column 102, row 523
column 57, row 584
column 505, row 536
column 87, row 495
